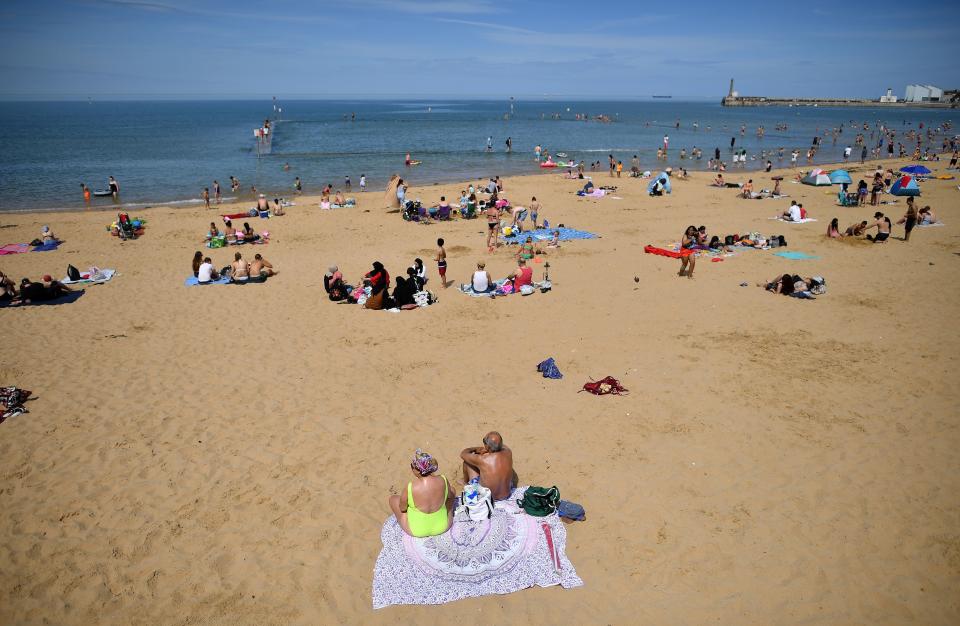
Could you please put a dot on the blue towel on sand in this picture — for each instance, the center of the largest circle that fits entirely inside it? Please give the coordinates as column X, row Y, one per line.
column 793, row 255
column 47, row 247
column 549, row 369
column 546, row 234
column 192, row 281
column 67, row 298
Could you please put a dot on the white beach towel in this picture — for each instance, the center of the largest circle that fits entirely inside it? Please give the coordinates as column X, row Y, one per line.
column 803, row 221
column 103, row 277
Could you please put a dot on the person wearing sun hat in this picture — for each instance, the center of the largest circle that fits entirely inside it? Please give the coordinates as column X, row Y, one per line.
column 428, row 507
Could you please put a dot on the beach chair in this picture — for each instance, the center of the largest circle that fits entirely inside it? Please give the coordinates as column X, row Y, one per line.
column 470, row 211
column 443, row 213
column 847, row 199
column 124, row 228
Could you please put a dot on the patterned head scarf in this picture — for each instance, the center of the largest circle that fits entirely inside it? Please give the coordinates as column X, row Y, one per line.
column 423, row 463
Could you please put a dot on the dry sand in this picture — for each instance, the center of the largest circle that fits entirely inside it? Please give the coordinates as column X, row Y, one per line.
column 223, row 455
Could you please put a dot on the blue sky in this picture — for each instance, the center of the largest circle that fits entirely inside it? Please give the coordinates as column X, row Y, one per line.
column 476, row 48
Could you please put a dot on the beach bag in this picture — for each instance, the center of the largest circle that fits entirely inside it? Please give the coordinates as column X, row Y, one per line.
column 818, row 286
column 605, row 386
column 477, row 502
column 540, row 501
column 775, row 241
column 781, row 241
column 422, row 298
column 72, row 272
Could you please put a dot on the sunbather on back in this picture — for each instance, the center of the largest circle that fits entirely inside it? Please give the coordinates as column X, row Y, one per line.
column 240, row 268
column 493, row 464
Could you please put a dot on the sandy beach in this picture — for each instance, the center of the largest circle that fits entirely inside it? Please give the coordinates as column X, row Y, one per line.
column 223, row 455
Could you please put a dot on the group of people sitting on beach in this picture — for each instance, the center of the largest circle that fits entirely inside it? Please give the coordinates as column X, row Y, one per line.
column 240, row 271
column 30, row 291
column 427, row 508
column 230, row 235
column 912, row 218
column 372, row 290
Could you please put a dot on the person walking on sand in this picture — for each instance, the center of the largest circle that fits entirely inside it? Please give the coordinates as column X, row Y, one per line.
column 442, row 262
column 206, row 197
column 688, row 243
column 216, row 191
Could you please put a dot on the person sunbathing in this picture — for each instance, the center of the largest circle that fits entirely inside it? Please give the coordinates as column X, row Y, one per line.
column 927, row 217
column 239, row 269
column 249, row 235
column 206, row 273
column 277, row 207
column 428, row 508
column 49, row 289
column 481, row 281
column 783, row 284
column 521, row 276
column 261, row 267
column 747, row 191
column 492, row 463
column 47, row 236
column 855, row 230
column 526, row 250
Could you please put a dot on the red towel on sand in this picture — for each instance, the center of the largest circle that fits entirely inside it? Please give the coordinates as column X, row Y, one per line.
column 670, row 253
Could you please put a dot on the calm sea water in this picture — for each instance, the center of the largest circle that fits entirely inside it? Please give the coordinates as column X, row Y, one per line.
column 167, row 152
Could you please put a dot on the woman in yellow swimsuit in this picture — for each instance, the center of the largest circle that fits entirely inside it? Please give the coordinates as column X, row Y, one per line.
column 428, row 508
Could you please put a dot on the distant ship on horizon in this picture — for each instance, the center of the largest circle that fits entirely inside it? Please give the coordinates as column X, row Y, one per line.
column 662, row 96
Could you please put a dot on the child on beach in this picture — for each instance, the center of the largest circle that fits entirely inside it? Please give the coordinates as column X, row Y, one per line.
column 363, row 182
column 442, row 262
column 206, row 197
column 346, row 183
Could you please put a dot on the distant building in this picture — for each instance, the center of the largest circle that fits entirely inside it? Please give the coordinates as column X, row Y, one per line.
column 923, row 93
column 889, row 97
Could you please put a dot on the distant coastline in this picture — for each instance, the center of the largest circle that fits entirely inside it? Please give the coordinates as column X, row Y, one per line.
column 762, row 101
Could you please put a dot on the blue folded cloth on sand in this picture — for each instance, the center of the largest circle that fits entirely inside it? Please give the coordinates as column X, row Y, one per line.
column 794, row 255
column 47, row 247
column 549, row 369
column 192, row 281
column 571, row 510
column 803, row 295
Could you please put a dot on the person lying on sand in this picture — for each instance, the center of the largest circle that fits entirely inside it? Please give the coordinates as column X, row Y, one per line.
column 427, row 509
column 493, row 464
column 261, row 266
column 855, row 230
column 49, row 289
column 783, row 284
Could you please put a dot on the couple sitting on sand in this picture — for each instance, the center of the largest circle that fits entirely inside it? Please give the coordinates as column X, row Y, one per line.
column 428, row 507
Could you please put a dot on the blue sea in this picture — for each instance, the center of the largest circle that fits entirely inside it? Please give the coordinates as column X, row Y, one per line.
column 167, row 152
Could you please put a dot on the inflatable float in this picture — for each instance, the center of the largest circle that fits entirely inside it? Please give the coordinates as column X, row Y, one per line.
column 102, row 193
column 548, row 165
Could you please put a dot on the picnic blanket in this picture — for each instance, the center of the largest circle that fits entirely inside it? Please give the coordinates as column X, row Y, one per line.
column 673, row 254
column 66, row 298
column 102, row 277
column 803, row 221
column 193, row 282
column 502, row 287
column 795, row 255
column 501, row 555
column 546, row 234
column 15, row 248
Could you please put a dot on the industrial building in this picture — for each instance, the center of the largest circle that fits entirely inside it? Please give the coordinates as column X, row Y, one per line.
column 923, row 93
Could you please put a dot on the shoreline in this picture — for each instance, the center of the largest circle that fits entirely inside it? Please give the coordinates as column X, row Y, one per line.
column 452, row 180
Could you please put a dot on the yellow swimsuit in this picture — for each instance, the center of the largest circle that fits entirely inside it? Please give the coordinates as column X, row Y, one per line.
column 427, row 524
